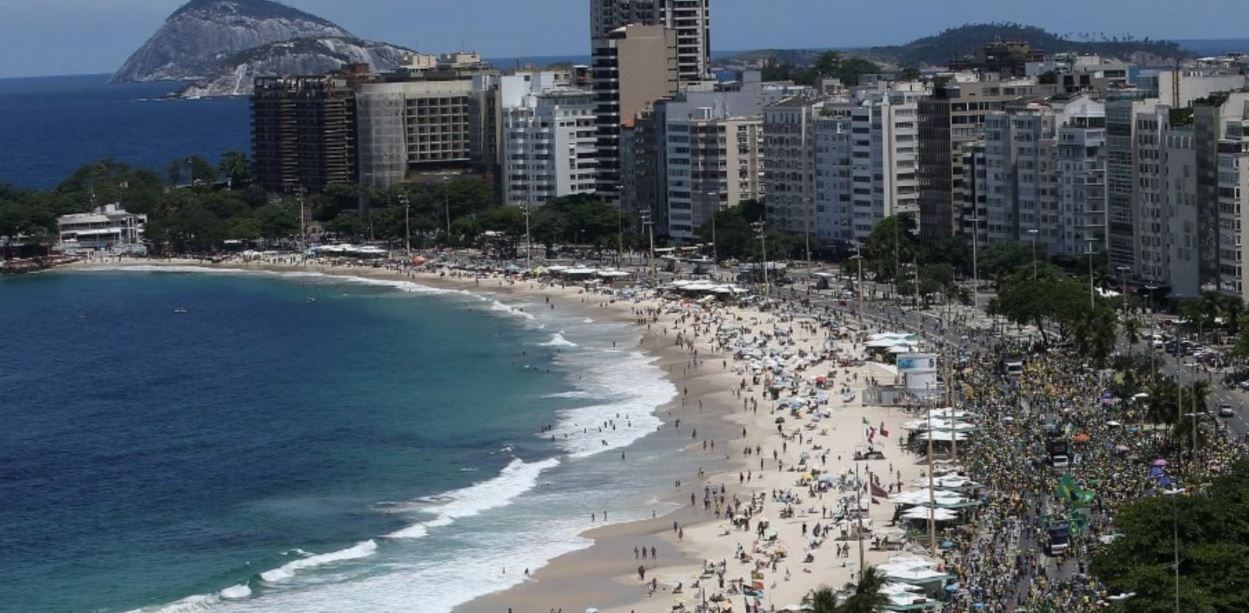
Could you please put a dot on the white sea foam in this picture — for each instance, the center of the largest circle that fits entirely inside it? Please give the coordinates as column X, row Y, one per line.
column 399, row 284
column 499, row 307
column 558, row 340
column 516, row 479
column 236, row 592
column 632, row 388
column 201, row 602
column 362, row 549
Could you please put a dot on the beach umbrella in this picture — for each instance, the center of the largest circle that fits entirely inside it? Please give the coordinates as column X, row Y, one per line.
column 1081, row 438
column 591, row 610
column 1160, row 462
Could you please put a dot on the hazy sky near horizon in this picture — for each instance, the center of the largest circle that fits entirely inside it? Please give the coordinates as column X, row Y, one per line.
column 53, row 37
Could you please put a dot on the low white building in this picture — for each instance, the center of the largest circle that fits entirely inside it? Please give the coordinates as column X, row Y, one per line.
column 107, row 228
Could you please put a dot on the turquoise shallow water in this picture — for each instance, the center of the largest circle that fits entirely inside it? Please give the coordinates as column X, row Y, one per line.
column 303, row 443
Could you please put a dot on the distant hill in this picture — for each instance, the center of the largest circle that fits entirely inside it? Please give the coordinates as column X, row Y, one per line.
column 967, row 40
column 197, row 39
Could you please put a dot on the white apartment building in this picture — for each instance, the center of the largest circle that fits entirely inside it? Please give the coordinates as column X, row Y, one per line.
column 548, row 148
column 1045, row 175
column 712, row 163
column 1233, row 181
column 866, row 163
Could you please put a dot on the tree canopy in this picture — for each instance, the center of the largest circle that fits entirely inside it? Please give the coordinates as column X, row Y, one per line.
column 1211, row 531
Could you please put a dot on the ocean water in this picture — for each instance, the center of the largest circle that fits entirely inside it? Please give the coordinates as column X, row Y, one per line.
column 50, row 126
column 304, row 443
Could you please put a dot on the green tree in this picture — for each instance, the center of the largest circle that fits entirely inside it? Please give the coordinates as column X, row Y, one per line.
column 891, row 244
column 347, row 226
column 823, row 600
column 1211, row 530
column 236, row 168
column 278, row 221
column 173, row 172
column 202, row 172
column 1131, row 332
column 867, row 596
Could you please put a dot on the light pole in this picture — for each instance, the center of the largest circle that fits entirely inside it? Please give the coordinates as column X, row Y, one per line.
column 975, row 263
column 1034, row 232
column 407, row 224
column 763, row 245
column 528, row 240
column 1092, row 294
column 715, row 257
column 1123, row 287
column 303, row 234
column 650, row 230
column 859, row 257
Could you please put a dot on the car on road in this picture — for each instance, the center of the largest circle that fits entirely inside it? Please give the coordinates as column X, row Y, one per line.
column 1225, row 410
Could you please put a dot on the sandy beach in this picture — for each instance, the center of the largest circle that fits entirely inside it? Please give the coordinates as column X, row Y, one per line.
column 760, row 458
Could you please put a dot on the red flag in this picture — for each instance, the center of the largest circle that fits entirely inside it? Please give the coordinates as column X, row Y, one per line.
column 883, row 431
column 879, row 491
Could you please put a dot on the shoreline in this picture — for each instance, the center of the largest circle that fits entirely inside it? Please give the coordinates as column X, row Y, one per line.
column 658, row 347
column 602, row 575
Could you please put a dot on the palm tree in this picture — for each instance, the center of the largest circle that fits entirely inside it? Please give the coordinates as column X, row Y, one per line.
column 823, row 600
column 867, row 597
column 236, row 167
column 1132, row 332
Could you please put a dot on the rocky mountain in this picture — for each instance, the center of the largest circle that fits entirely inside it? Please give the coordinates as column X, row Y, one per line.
column 304, row 56
column 199, row 39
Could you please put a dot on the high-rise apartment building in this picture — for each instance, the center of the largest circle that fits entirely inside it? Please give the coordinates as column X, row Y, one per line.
column 865, row 164
column 1210, row 118
column 1121, row 112
column 704, row 145
column 712, row 163
column 1044, row 175
column 303, row 132
column 952, row 116
column 633, row 66
column 549, row 147
column 789, row 152
column 690, row 20
column 1233, row 194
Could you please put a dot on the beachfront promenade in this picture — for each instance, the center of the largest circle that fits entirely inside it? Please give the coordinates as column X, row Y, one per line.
column 775, row 391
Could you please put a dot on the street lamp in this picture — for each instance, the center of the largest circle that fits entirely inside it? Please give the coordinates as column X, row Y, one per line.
column 859, row 257
column 1123, row 286
column 649, row 224
column 1092, row 295
column 528, row 240
column 975, row 263
column 715, row 257
column 1034, row 232
column 407, row 224
column 763, row 244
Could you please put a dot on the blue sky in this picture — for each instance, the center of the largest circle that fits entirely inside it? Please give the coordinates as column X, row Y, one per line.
column 44, row 37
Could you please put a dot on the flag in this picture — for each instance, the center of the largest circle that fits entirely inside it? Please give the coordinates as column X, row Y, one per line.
column 883, row 431
column 879, row 491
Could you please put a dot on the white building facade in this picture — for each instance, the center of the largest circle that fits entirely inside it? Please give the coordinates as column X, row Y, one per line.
column 549, row 147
